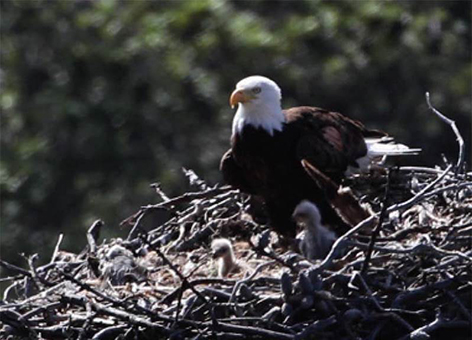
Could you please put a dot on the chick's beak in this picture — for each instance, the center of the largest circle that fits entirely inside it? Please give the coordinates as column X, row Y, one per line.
column 299, row 218
column 216, row 254
column 238, row 96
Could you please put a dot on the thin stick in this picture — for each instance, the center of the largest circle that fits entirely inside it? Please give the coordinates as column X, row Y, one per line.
column 175, row 270
column 117, row 313
column 393, row 315
column 56, row 248
column 251, row 331
column 271, row 255
column 376, row 231
column 452, row 124
column 16, row 269
column 93, row 234
column 250, row 277
column 159, row 191
column 187, row 197
column 133, row 232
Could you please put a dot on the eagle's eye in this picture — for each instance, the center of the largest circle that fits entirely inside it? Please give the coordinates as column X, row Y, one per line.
column 256, row 90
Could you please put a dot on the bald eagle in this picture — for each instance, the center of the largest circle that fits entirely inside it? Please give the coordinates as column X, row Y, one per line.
column 268, row 145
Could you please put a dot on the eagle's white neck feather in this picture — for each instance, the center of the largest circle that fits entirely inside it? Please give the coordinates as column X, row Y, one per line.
column 265, row 115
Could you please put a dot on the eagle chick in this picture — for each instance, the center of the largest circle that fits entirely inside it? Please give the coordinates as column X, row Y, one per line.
column 317, row 239
column 222, row 250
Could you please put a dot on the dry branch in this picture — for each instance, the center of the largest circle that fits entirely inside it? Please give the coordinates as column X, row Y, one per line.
column 452, row 124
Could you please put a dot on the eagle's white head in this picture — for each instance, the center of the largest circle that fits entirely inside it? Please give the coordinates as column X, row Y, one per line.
column 259, row 104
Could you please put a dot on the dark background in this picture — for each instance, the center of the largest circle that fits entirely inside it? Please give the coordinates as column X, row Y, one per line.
column 101, row 98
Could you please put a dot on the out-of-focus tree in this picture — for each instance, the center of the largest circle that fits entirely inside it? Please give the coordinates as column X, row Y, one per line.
column 101, row 98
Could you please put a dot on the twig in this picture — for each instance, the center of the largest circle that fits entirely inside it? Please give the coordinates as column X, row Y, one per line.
column 403, row 233
column 187, row 197
column 111, row 332
column 172, row 295
column 119, row 314
column 124, row 305
column 436, row 324
column 316, row 327
column 376, row 231
column 271, row 255
column 463, row 310
column 452, row 124
column 419, row 248
column 179, row 302
column 194, row 179
column 159, row 191
column 56, row 248
column 175, row 270
column 87, row 323
column 448, row 263
column 391, row 314
column 422, row 170
column 250, row 277
column 448, row 188
column 22, row 327
column 133, row 232
column 422, row 291
column 252, row 331
column 41, row 309
column 36, row 277
column 415, row 199
column 14, row 268
column 93, row 234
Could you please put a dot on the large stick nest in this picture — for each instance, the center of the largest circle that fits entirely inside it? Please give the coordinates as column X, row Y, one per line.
column 411, row 281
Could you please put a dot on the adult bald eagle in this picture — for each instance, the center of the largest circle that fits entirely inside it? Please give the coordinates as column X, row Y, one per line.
column 268, row 145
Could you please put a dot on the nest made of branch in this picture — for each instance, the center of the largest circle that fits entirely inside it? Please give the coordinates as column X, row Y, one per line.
column 411, row 280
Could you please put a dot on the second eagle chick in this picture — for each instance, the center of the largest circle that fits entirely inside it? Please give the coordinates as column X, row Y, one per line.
column 317, row 239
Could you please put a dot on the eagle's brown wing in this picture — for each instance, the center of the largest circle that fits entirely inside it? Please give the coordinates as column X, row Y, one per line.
column 329, row 140
column 233, row 174
column 341, row 199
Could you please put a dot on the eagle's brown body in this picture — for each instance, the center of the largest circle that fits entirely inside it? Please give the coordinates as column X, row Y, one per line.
column 269, row 166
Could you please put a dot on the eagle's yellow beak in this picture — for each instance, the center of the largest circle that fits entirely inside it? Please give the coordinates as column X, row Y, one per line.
column 238, row 96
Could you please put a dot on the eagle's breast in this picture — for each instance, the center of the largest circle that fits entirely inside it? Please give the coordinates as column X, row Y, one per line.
column 264, row 158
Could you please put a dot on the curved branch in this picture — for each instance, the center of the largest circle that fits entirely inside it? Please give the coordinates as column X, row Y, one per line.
column 452, row 124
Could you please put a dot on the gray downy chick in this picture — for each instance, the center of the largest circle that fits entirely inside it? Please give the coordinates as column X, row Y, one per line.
column 317, row 239
column 222, row 250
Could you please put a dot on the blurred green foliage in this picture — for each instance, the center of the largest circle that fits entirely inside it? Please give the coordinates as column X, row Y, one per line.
column 101, row 98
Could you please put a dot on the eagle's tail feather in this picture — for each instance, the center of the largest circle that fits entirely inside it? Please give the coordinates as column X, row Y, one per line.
column 377, row 150
column 385, row 147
